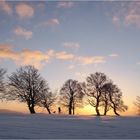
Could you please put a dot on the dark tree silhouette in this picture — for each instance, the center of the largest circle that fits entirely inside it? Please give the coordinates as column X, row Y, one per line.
column 137, row 104
column 114, row 97
column 95, row 83
column 26, row 85
column 47, row 98
column 105, row 100
column 71, row 95
column 2, row 84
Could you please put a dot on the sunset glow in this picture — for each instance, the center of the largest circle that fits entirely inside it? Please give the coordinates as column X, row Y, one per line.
column 70, row 40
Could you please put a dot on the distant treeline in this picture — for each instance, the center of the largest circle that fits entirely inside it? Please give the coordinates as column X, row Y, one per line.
column 27, row 85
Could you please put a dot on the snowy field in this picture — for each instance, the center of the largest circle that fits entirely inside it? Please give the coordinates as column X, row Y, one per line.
column 42, row 126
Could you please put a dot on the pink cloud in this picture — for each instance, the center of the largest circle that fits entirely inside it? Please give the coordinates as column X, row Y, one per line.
column 21, row 32
column 24, row 11
column 73, row 45
column 6, row 7
column 127, row 14
column 116, row 20
column 133, row 19
column 51, row 22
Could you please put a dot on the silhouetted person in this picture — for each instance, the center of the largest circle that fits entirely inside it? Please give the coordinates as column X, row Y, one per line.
column 59, row 110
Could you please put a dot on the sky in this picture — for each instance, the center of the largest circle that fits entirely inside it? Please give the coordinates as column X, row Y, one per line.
column 72, row 39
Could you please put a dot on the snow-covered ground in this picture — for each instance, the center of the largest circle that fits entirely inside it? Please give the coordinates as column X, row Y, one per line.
column 40, row 126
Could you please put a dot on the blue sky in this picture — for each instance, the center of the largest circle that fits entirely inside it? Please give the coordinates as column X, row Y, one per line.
column 68, row 39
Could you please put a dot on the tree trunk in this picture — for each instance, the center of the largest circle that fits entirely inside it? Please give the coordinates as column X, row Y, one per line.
column 31, row 107
column 114, row 108
column 105, row 109
column 48, row 110
column 73, row 111
column 70, row 105
column 96, row 108
column 70, row 108
column 97, row 111
column 32, row 110
column 73, row 108
column 70, row 112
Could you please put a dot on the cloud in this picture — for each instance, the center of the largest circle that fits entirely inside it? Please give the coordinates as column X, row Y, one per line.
column 24, row 57
column 113, row 55
column 39, row 59
column 21, row 32
column 138, row 63
column 127, row 13
column 72, row 45
column 64, row 56
column 51, row 22
column 65, row 4
column 6, row 7
column 7, row 52
column 86, row 60
column 132, row 19
column 24, row 11
column 32, row 57
column 35, row 58
column 133, row 15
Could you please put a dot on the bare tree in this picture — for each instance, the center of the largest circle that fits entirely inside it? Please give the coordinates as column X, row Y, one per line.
column 2, row 84
column 137, row 104
column 114, row 96
column 95, row 83
column 26, row 85
column 47, row 98
column 71, row 95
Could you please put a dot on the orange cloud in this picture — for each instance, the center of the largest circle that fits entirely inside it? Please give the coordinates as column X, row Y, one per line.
column 90, row 60
column 19, row 31
column 39, row 59
column 6, row 7
column 64, row 56
column 24, row 11
column 35, row 58
column 25, row 57
column 7, row 52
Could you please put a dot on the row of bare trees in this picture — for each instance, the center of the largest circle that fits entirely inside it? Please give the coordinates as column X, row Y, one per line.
column 99, row 91
column 26, row 85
